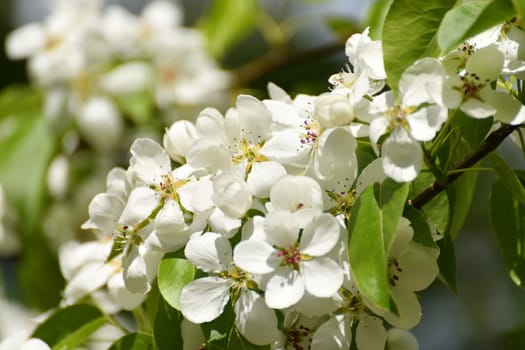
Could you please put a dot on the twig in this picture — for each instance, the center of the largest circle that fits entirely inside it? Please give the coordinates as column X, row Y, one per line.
column 488, row 145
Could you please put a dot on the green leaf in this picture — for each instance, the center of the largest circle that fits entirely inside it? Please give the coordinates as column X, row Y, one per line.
column 437, row 209
column 409, row 33
column 25, row 153
column 471, row 18
column 174, row 274
column 138, row 106
column 133, row 341
column 507, row 176
column 447, row 262
column 507, row 217
column 227, row 23
column 70, row 327
column 218, row 331
column 166, row 329
column 460, row 194
column 422, row 233
column 373, row 224
column 519, row 7
column 19, row 99
column 376, row 17
column 343, row 27
column 237, row 341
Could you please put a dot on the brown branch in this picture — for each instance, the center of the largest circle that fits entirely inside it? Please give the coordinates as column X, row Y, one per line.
column 488, row 145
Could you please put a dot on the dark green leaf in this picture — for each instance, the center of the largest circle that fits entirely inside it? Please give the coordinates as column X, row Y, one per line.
column 133, row 341
column 507, row 176
column 376, row 17
column 422, row 233
column 409, row 33
column 373, row 224
column 227, row 23
column 460, row 194
column 471, row 18
column 166, row 329
column 70, row 327
column 173, row 275
column 217, row 331
column 237, row 341
column 507, row 217
column 447, row 262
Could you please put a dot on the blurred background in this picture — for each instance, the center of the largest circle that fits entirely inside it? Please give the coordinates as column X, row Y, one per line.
column 298, row 45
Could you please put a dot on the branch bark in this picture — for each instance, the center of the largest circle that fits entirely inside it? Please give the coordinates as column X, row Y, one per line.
column 492, row 141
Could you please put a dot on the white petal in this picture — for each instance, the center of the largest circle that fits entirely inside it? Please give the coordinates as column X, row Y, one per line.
column 210, row 252
column 371, row 174
column 195, row 196
column 263, row 176
column 162, row 14
column 508, row 109
column 209, row 122
column 284, row 288
column 370, row 334
column 423, row 82
column 282, row 228
column 334, row 334
column 277, row 93
column 220, row 222
column 206, row 153
column 486, row 62
column 426, row 122
column 477, row 109
column 25, row 41
column 91, row 277
column 320, row 235
column 100, row 122
column 141, row 203
column 398, row 339
column 409, row 310
column 256, row 256
column 104, row 211
column 34, row 344
column 134, row 272
column 254, row 118
column 231, row 194
column 402, row 156
column 291, row 193
column 178, row 139
column 254, row 320
column 322, row 276
column 149, row 160
column 127, row 78
column 419, row 265
column 203, row 300
column 126, row 299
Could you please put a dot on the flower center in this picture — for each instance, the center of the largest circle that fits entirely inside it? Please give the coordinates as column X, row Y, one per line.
column 397, row 116
column 168, row 186
column 393, row 272
column 291, row 256
column 311, row 132
column 296, row 337
column 472, row 84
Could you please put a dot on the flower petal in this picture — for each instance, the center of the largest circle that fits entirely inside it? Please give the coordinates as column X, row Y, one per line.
column 210, row 252
column 254, row 320
column 256, row 256
column 284, row 288
column 203, row 300
column 322, row 276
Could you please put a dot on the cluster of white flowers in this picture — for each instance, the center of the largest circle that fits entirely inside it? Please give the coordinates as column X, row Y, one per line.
column 276, row 179
column 88, row 57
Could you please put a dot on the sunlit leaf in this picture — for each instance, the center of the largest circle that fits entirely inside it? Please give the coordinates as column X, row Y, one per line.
column 409, row 33
column 471, row 18
column 174, row 274
column 372, row 228
column 508, row 178
column 227, row 22
column 376, row 17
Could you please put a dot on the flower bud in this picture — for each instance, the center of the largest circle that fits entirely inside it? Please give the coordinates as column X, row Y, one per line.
column 333, row 110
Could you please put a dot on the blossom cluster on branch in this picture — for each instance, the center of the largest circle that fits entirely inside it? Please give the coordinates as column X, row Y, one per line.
column 260, row 199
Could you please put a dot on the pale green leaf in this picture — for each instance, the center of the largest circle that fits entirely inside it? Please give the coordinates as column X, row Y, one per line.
column 376, row 17
column 227, row 23
column 174, row 274
column 471, row 18
column 372, row 228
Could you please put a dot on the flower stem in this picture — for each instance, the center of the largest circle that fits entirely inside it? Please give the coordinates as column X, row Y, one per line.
column 488, row 145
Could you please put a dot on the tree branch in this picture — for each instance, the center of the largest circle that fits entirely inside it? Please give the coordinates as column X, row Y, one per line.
column 492, row 141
